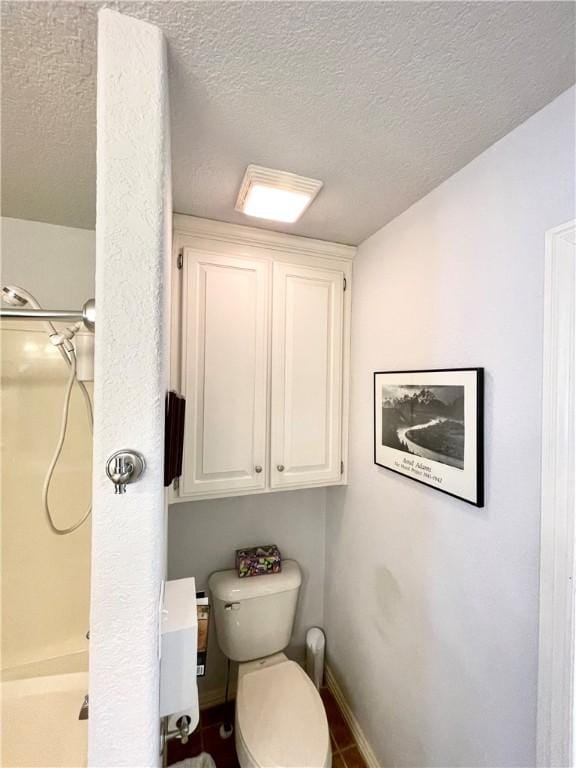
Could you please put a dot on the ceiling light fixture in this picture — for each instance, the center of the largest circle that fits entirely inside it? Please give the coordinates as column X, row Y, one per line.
column 275, row 195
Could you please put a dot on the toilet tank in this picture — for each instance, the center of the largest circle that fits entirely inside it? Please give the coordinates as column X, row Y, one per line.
column 254, row 616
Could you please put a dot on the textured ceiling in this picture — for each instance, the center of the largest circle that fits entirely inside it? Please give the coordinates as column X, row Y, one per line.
column 380, row 100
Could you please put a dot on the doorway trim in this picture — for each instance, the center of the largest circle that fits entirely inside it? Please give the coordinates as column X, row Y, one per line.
column 556, row 707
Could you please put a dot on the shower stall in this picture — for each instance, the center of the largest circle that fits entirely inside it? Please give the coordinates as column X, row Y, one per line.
column 47, row 367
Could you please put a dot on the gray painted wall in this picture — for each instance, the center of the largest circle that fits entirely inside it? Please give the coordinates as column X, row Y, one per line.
column 56, row 264
column 203, row 536
column 432, row 604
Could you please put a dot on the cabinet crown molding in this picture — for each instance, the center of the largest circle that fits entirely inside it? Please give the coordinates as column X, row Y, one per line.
column 252, row 236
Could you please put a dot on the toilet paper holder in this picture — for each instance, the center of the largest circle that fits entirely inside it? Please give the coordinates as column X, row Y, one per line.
column 182, row 731
column 178, row 661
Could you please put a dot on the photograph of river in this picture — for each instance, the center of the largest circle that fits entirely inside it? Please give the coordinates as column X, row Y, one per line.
column 425, row 421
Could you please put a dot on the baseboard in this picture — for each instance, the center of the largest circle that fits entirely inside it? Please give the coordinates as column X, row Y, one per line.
column 215, row 697
column 208, row 699
column 361, row 740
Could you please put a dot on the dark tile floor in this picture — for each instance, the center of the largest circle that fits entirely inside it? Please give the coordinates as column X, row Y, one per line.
column 345, row 752
column 206, row 738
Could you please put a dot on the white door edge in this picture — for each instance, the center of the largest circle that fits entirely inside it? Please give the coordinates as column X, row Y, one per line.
column 555, row 720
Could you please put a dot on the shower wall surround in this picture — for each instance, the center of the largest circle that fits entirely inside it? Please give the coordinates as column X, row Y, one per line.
column 45, row 598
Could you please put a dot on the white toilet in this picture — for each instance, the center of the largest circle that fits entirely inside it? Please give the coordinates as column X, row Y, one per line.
column 280, row 717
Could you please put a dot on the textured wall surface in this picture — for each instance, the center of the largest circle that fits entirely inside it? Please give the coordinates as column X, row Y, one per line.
column 434, row 630
column 132, row 273
column 382, row 101
column 203, row 535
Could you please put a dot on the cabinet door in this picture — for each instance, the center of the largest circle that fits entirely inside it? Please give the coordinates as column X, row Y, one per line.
column 224, row 373
column 306, row 418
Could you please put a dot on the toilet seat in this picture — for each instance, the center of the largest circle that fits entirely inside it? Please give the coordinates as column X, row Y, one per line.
column 280, row 719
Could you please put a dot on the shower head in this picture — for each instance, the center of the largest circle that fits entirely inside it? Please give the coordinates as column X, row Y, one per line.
column 14, row 296
column 17, row 296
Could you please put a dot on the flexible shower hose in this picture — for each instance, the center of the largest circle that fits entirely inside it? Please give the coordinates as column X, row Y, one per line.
column 66, row 350
column 71, row 359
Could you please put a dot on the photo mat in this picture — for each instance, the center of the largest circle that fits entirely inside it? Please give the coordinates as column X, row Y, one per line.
column 428, row 427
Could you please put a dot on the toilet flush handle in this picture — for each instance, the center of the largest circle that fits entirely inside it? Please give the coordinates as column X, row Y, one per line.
column 232, row 607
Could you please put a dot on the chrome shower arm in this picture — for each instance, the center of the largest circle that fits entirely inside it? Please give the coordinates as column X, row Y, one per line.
column 64, row 315
column 87, row 314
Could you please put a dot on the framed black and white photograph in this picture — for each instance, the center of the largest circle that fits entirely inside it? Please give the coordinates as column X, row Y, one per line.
column 428, row 426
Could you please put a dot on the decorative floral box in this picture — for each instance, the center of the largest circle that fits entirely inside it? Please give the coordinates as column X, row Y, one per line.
column 258, row 561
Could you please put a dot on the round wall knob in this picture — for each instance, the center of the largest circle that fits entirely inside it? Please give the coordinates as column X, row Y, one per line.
column 280, row 467
column 258, row 469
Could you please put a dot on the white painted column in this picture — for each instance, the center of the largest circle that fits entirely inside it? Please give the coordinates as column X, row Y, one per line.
column 132, row 265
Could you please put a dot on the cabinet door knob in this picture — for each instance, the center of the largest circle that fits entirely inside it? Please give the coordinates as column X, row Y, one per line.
column 258, row 469
column 280, row 467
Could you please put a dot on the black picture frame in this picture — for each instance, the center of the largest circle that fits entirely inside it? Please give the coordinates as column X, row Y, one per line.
column 456, row 393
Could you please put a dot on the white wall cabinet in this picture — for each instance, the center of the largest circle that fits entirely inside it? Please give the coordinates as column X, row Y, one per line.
column 225, row 372
column 260, row 350
column 307, row 373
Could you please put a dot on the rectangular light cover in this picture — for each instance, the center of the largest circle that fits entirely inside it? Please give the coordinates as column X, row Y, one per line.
column 275, row 195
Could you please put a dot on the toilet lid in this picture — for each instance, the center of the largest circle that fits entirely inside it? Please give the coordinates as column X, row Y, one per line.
column 281, row 718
